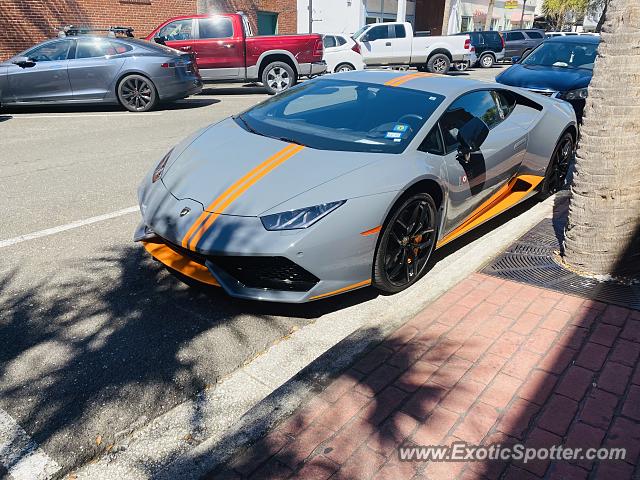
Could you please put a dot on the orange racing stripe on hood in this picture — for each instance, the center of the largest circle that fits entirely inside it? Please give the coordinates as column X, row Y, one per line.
column 394, row 82
column 231, row 194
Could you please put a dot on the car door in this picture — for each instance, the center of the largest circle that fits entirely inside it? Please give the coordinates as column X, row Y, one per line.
column 515, row 44
column 93, row 69
column 401, row 44
column 376, row 47
column 219, row 54
column 472, row 183
column 47, row 80
column 534, row 38
column 178, row 34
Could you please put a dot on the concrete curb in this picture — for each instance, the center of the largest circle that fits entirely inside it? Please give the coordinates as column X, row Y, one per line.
column 199, row 435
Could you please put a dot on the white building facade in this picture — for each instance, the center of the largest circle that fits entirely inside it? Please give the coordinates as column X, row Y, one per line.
column 347, row 16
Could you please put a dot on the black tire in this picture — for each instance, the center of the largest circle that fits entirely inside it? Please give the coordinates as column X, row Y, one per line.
column 438, row 63
column 401, row 257
column 486, row 60
column 278, row 77
column 344, row 67
column 137, row 93
column 556, row 175
column 422, row 68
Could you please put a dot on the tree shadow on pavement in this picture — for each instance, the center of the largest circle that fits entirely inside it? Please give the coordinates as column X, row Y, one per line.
column 100, row 346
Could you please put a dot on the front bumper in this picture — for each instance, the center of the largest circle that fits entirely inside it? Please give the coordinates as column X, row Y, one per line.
column 328, row 258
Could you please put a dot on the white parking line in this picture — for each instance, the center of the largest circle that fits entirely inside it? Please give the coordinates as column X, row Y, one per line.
column 20, row 455
column 69, row 226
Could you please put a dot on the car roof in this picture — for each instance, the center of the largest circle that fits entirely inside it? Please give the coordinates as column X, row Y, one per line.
column 574, row 39
column 442, row 84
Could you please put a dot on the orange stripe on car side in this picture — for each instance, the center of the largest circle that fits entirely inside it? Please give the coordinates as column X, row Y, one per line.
column 207, row 212
column 226, row 199
column 505, row 198
column 372, row 231
column 343, row 289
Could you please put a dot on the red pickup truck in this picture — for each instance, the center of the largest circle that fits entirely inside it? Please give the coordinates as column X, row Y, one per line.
column 226, row 50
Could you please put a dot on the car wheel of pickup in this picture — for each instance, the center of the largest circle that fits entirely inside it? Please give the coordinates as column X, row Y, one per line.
column 438, row 63
column 278, row 77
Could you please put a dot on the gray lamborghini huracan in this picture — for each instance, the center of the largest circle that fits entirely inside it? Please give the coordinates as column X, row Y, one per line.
column 349, row 180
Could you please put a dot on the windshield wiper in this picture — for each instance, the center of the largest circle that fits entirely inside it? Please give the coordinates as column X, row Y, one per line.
column 249, row 127
column 290, row 140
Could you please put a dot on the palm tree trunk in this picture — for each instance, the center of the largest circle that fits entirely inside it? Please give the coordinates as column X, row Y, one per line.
column 603, row 230
column 487, row 21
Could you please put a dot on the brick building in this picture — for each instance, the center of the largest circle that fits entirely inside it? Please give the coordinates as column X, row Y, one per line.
column 27, row 22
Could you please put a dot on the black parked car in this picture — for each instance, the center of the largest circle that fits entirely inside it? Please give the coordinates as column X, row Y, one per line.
column 490, row 47
column 518, row 43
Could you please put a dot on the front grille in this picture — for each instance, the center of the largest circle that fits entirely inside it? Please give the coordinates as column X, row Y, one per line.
column 190, row 254
column 273, row 273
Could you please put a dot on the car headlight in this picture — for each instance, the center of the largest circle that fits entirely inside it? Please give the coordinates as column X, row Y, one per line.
column 157, row 173
column 579, row 94
column 297, row 219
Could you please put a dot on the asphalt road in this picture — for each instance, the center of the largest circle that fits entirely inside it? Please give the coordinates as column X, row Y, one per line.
column 96, row 339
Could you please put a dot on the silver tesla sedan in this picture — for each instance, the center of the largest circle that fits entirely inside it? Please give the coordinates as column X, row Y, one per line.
column 92, row 69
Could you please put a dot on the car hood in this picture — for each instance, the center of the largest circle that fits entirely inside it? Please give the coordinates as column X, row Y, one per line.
column 541, row 77
column 232, row 171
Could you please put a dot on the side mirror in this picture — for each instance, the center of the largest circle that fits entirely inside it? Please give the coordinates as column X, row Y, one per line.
column 24, row 62
column 471, row 136
column 160, row 40
column 364, row 38
column 516, row 59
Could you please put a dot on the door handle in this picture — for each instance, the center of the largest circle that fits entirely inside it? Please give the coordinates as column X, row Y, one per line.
column 187, row 47
column 227, row 45
column 388, row 44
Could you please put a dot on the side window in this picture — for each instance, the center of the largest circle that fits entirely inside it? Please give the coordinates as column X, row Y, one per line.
column 94, row 48
column 217, row 27
column 341, row 40
column 511, row 36
column 329, row 41
column 50, row 52
column 479, row 104
column 178, row 30
column 506, row 102
column 378, row 33
column 121, row 47
column 534, row 34
column 400, row 31
column 432, row 143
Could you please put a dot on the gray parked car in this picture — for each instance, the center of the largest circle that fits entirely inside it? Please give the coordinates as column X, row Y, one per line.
column 94, row 69
column 518, row 43
column 349, row 180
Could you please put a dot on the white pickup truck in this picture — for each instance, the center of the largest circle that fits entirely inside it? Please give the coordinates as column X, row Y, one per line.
column 394, row 44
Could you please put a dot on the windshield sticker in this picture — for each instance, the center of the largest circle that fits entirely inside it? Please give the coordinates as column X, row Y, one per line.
column 432, row 98
column 397, row 135
column 400, row 127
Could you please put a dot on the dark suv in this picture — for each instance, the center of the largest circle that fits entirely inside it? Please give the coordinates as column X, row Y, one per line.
column 489, row 47
column 518, row 43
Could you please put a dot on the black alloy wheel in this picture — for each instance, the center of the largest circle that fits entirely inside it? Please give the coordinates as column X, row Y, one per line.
column 406, row 244
column 556, row 174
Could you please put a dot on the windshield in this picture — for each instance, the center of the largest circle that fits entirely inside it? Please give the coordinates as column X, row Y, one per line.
column 343, row 115
column 564, row 55
column 359, row 32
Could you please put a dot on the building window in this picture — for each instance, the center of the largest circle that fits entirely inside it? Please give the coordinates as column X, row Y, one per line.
column 267, row 23
column 465, row 24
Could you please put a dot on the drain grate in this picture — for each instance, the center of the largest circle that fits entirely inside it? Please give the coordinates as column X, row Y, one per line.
column 531, row 260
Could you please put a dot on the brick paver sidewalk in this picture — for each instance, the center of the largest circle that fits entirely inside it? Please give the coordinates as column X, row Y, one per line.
column 490, row 361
